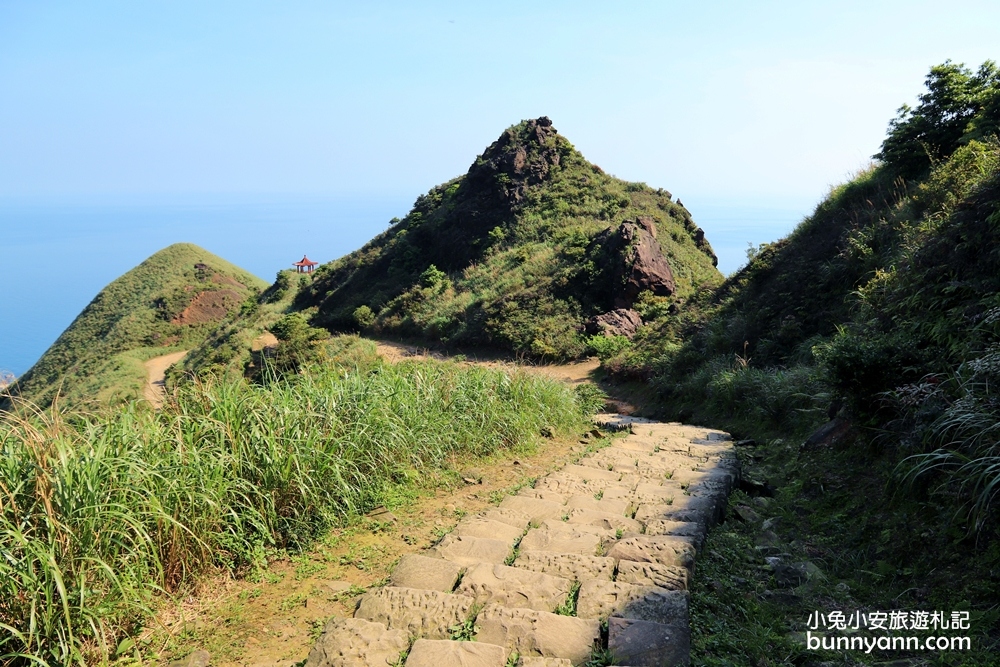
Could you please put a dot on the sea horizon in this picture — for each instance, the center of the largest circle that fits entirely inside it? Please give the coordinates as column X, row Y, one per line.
column 62, row 250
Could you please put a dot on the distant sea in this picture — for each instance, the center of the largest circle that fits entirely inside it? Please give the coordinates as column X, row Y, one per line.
column 57, row 254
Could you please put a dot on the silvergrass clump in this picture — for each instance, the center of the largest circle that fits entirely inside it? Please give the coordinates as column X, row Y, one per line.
column 102, row 513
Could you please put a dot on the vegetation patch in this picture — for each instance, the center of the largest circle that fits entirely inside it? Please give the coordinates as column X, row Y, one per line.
column 101, row 514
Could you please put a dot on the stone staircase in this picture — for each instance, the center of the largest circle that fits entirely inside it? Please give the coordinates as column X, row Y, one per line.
column 609, row 543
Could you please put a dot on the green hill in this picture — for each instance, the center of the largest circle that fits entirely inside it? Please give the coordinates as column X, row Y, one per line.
column 168, row 303
column 518, row 253
column 861, row 354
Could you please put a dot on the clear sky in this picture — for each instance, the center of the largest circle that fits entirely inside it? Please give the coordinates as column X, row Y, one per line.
column 753, row 102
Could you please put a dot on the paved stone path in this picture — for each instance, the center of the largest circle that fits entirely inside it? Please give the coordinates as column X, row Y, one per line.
column 595, row 557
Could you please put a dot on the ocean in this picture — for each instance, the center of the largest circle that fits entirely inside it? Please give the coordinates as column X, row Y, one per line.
column 58, row 254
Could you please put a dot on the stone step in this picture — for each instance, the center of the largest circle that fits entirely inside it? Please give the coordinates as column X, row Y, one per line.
column 419, row 613
column 511, row 517
column 423, row 572
column 663, row 549
column 479, row 526
column 543, row 493
column 538, row 510
column 670, row 577
column 645, row 644
column 565, row 540
column 538, row 633
column 691, row 529
column 603, row 599
column 645, row 502
column 577, row 567
column 591, row 474
column 589, row 502
column 356, row 642
column 603, row 520
column 468, row 551
column 538, row 661
column 445, row 653
column 514, row 587
column 567, row 484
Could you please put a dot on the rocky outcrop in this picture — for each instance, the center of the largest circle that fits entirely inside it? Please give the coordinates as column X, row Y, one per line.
column 522, row 156
column 634, row 261
column 619, row 322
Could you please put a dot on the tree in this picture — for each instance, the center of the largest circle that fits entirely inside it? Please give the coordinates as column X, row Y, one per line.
column 957, row 106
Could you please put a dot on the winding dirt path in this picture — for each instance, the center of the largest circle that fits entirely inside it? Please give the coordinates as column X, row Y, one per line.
column 156, row 369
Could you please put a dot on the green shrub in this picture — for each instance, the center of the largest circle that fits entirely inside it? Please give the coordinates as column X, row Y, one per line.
column 606, row 347
column 364, row 317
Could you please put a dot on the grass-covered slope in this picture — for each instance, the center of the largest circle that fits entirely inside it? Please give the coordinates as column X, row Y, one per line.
column 169, row 302
column 506, row 254
column 881, row 309
column 103, row 513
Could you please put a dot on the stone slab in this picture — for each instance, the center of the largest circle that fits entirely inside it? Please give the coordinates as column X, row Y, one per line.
column 478, row 526
column 644, row 644
column 543, row 493
column 603, row 520
column 470, row 550
column 591, row 474
column 445, row 653
column 538, row 510
column 664, row 549
column 514, row 587
column 420, row 613
column 691, row 529
column 670, row 577
column 647, row 512
column 538, row 633
column 561, row 540
column 588, row 502
column 433, row 574
column 602, row 599
column 577, row 567
column 518, row 520
column 350, row 642
column 544, row 662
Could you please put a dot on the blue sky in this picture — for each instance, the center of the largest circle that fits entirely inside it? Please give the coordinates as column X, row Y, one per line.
column 758, row 102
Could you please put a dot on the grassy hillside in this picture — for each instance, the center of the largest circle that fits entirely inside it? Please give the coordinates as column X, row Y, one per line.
column 509, row 254
column 105, row 515
column 881, row 310
column 169, row 302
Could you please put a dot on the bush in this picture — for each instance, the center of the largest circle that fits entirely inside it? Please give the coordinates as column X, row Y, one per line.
column 606, row 347
column 297, row 343
column 364, row 317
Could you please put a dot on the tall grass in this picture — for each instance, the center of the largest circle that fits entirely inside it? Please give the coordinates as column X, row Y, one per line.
column 965, row 465
column 100, row 513
column 728, row 392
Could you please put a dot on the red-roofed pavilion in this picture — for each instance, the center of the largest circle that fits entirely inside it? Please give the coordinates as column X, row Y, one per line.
column 304, row 266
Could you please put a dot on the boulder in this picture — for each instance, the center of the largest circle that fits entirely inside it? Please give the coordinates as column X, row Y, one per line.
column 618, row 322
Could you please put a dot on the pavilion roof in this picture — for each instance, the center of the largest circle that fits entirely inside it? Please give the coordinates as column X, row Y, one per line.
column 305, row 262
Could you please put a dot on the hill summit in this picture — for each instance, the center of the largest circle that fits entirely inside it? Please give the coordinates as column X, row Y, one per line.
column 170, row 302
column 532, row 247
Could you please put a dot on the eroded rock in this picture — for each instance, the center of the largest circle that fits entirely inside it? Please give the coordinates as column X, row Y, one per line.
column 351, row 642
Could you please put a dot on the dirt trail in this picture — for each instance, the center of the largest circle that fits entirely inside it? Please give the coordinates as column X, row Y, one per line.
column 156, row 369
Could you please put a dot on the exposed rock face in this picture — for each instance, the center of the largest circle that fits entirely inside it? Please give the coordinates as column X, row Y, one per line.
column 635, row 261
column 518, row 159
column 645, row 266
column 619, row 322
